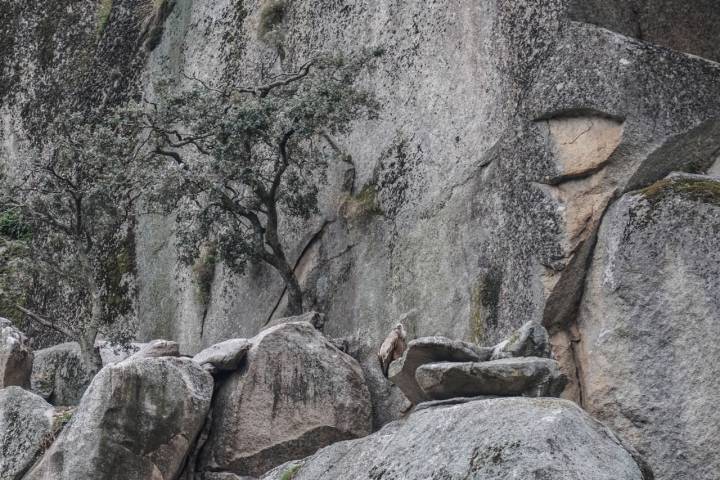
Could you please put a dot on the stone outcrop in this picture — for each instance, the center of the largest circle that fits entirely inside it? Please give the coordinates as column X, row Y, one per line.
column 137, row 421
column 426, row 350
column 157, row 349
column 527, row 376
column 296, row 393
column 224, row 356
column 649, row 325
column 16, row 356
column 59, row 374
column 26, row 427
column 482, row 440
column 530, row 340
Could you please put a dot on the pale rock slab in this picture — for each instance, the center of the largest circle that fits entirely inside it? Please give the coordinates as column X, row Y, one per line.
column 16, row 356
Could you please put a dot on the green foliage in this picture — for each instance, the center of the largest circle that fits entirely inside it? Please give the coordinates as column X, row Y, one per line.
column 103, row 14
column 290, row 472
column 702, row 190
column 272, row 14
column 12, row 226
column 240, row 161
column 363, row 205
column 204, row 274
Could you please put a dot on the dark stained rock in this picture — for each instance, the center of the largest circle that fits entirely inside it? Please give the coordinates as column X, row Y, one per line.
column 136, row 421
column 431, row 350
column 526, row 376
column 297, row 393
column 16, row 356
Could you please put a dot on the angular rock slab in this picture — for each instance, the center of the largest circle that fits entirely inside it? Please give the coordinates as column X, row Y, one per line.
column 494, row 439
column 224, row 356
column 59, row 374
column 26, row 426
column 649, row 325
column 430, row 350
column 530, row 340
column 16, row 356
column 136, row 421
column 527, row 376
column 297, row 393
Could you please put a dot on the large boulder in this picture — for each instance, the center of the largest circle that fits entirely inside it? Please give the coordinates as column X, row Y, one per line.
column 649, row 325
column 26, row 426
column 137, row 421
column 496, row 439
column 297, row 393
column 426, row 350
column 16, row 356
column 527, row 376
column 224, row 356
column 59, row 374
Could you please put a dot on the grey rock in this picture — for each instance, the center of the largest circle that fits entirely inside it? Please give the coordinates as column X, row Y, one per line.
column 112, row 354
column 225, row 476
column 648, row 325
column 315, row 319
column 226, row 355
column 426, row 350
column 26, row 427
column 526, row 376
column 16, row 356
column 59, row 374
column 530, row 340
column 482, row 440
column 137, row 421
column 296, row 394
column 157, row 349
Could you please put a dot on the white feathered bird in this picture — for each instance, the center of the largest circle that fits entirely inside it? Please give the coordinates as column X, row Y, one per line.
column 392, row 348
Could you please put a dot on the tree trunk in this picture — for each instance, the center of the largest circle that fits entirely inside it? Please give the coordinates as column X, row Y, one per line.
column 91, row 355
column 294, row 294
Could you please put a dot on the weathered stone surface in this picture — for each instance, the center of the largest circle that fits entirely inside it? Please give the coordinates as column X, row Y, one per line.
column 226, row 355
column 530, row 340
column 296, row 394
column 431, row 350
column 649, row 325
column 526, row 376
column 16, row 356
column 482, row 440
column 112, row 354
column 315, row 319
column 137, row 421
column 26, row 427
column 157, row 349
column 59, row 374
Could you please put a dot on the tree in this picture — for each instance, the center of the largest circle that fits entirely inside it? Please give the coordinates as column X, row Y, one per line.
column 239, row 160
column 72, row 210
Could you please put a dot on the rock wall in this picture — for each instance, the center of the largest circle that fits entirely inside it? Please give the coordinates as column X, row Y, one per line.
column 508, row 129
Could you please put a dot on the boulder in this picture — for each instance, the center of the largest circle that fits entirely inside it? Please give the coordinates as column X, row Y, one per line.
column 26, row 427
column 224, row 356
column 530, row 340
column 430, row 350
column 297, row 393
column 137, row 421
column 16, row 356
column 111, row 354
column 496, row 439
column 526, row 376
column 157, row 349
column 59, row 374
column 649, row 325
column 315, row 319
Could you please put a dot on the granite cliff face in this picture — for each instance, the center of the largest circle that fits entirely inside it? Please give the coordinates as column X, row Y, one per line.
column 510, row 131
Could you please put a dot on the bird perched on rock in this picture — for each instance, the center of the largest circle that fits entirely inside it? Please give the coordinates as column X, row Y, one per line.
column 392, row 348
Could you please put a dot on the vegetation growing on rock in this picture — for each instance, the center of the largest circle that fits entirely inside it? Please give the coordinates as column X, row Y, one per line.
column 240, row 160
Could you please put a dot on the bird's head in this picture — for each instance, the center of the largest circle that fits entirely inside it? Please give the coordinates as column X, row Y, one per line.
column 401, row 330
